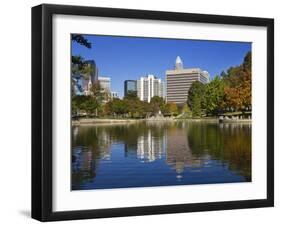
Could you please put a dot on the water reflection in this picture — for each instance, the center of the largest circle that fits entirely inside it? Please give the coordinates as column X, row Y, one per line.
column 154, row 154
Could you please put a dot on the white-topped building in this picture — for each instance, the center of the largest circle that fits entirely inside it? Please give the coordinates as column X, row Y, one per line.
column 178, row 64
column 180, row 80
column 150, row 86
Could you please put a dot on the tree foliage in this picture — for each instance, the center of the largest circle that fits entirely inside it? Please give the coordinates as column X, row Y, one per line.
column 170, row 109
column 214, row 94
column 196, row 99
column 78, row 65
column 133, row 107
column 238, row 88
column 117, row 106
column 86, row 104
column 81, row 40
column 131, row 94
column 228, row 92
column 87, row 71
column 157, row 104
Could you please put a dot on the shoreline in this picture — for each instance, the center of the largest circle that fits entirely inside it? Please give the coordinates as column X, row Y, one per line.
column 96, row 121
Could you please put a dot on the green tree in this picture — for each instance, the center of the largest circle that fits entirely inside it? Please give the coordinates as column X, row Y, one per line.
column 171, row 109
column 197, row 106
column 214, row 94
column 77, row 62
column 223, row 74
column 81, row 40
column 186, row 111
column 76, row 67
column 247, row 63
column 131, row 95
column 81, row 103
column 87, row 71
column 157, row 104
column 118, row 107
column 196, row 99
column 90, row 105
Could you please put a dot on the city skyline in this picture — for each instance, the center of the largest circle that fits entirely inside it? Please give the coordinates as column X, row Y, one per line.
column 113, row 56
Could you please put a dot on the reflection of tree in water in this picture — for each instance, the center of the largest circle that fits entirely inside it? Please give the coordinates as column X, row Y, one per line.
column 83, row 166
column 228, row 143
column 184, row 144
column 91, row 144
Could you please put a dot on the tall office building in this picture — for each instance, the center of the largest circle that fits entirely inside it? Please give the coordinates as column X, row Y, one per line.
column 180, row 79
column 83, row 82
column 92, row 79
column 105, row 89
column 94, row 74
column 130, row 87
column 150, row 86
column 105, row 84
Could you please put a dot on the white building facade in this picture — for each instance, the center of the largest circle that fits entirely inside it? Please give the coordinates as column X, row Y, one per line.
column 114, row 95
column 105, row 84
column 105, row 88
column 150, row 86
column 88, row 89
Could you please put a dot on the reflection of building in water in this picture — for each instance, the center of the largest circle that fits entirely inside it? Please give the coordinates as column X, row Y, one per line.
column 87, row 156
column 178, row 153
column 75, row 131
column 104, row 145
column 150, row 148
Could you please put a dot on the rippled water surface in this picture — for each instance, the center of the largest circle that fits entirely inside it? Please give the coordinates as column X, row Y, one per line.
column 160, row 154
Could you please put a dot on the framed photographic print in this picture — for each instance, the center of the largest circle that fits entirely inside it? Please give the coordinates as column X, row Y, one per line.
column 145, row 112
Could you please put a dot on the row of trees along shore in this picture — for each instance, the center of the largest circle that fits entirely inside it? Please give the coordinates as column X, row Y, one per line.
column 128, row 107
column 226, row 93
column 230, row 92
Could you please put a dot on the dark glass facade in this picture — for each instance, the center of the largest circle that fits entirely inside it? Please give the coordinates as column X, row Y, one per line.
column 130, row 87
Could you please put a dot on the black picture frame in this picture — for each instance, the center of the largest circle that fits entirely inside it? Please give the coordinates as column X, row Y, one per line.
column 42, row 196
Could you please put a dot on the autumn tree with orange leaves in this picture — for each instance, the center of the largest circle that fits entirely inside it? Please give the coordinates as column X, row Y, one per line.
column 231, row 91
column 238, row 86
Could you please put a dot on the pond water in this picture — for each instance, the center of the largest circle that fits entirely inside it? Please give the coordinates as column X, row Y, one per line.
column 160, row 154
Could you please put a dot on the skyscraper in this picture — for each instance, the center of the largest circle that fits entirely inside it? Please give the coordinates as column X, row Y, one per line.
column 150, row 86
column 94, row 74
column 130, row 87
column 92, row 79
column 84, row 82
column 104, row 84
column 105, row 88
column 180, row 80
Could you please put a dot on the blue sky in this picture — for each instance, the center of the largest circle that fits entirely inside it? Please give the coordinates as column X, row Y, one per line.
column 123, row 58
